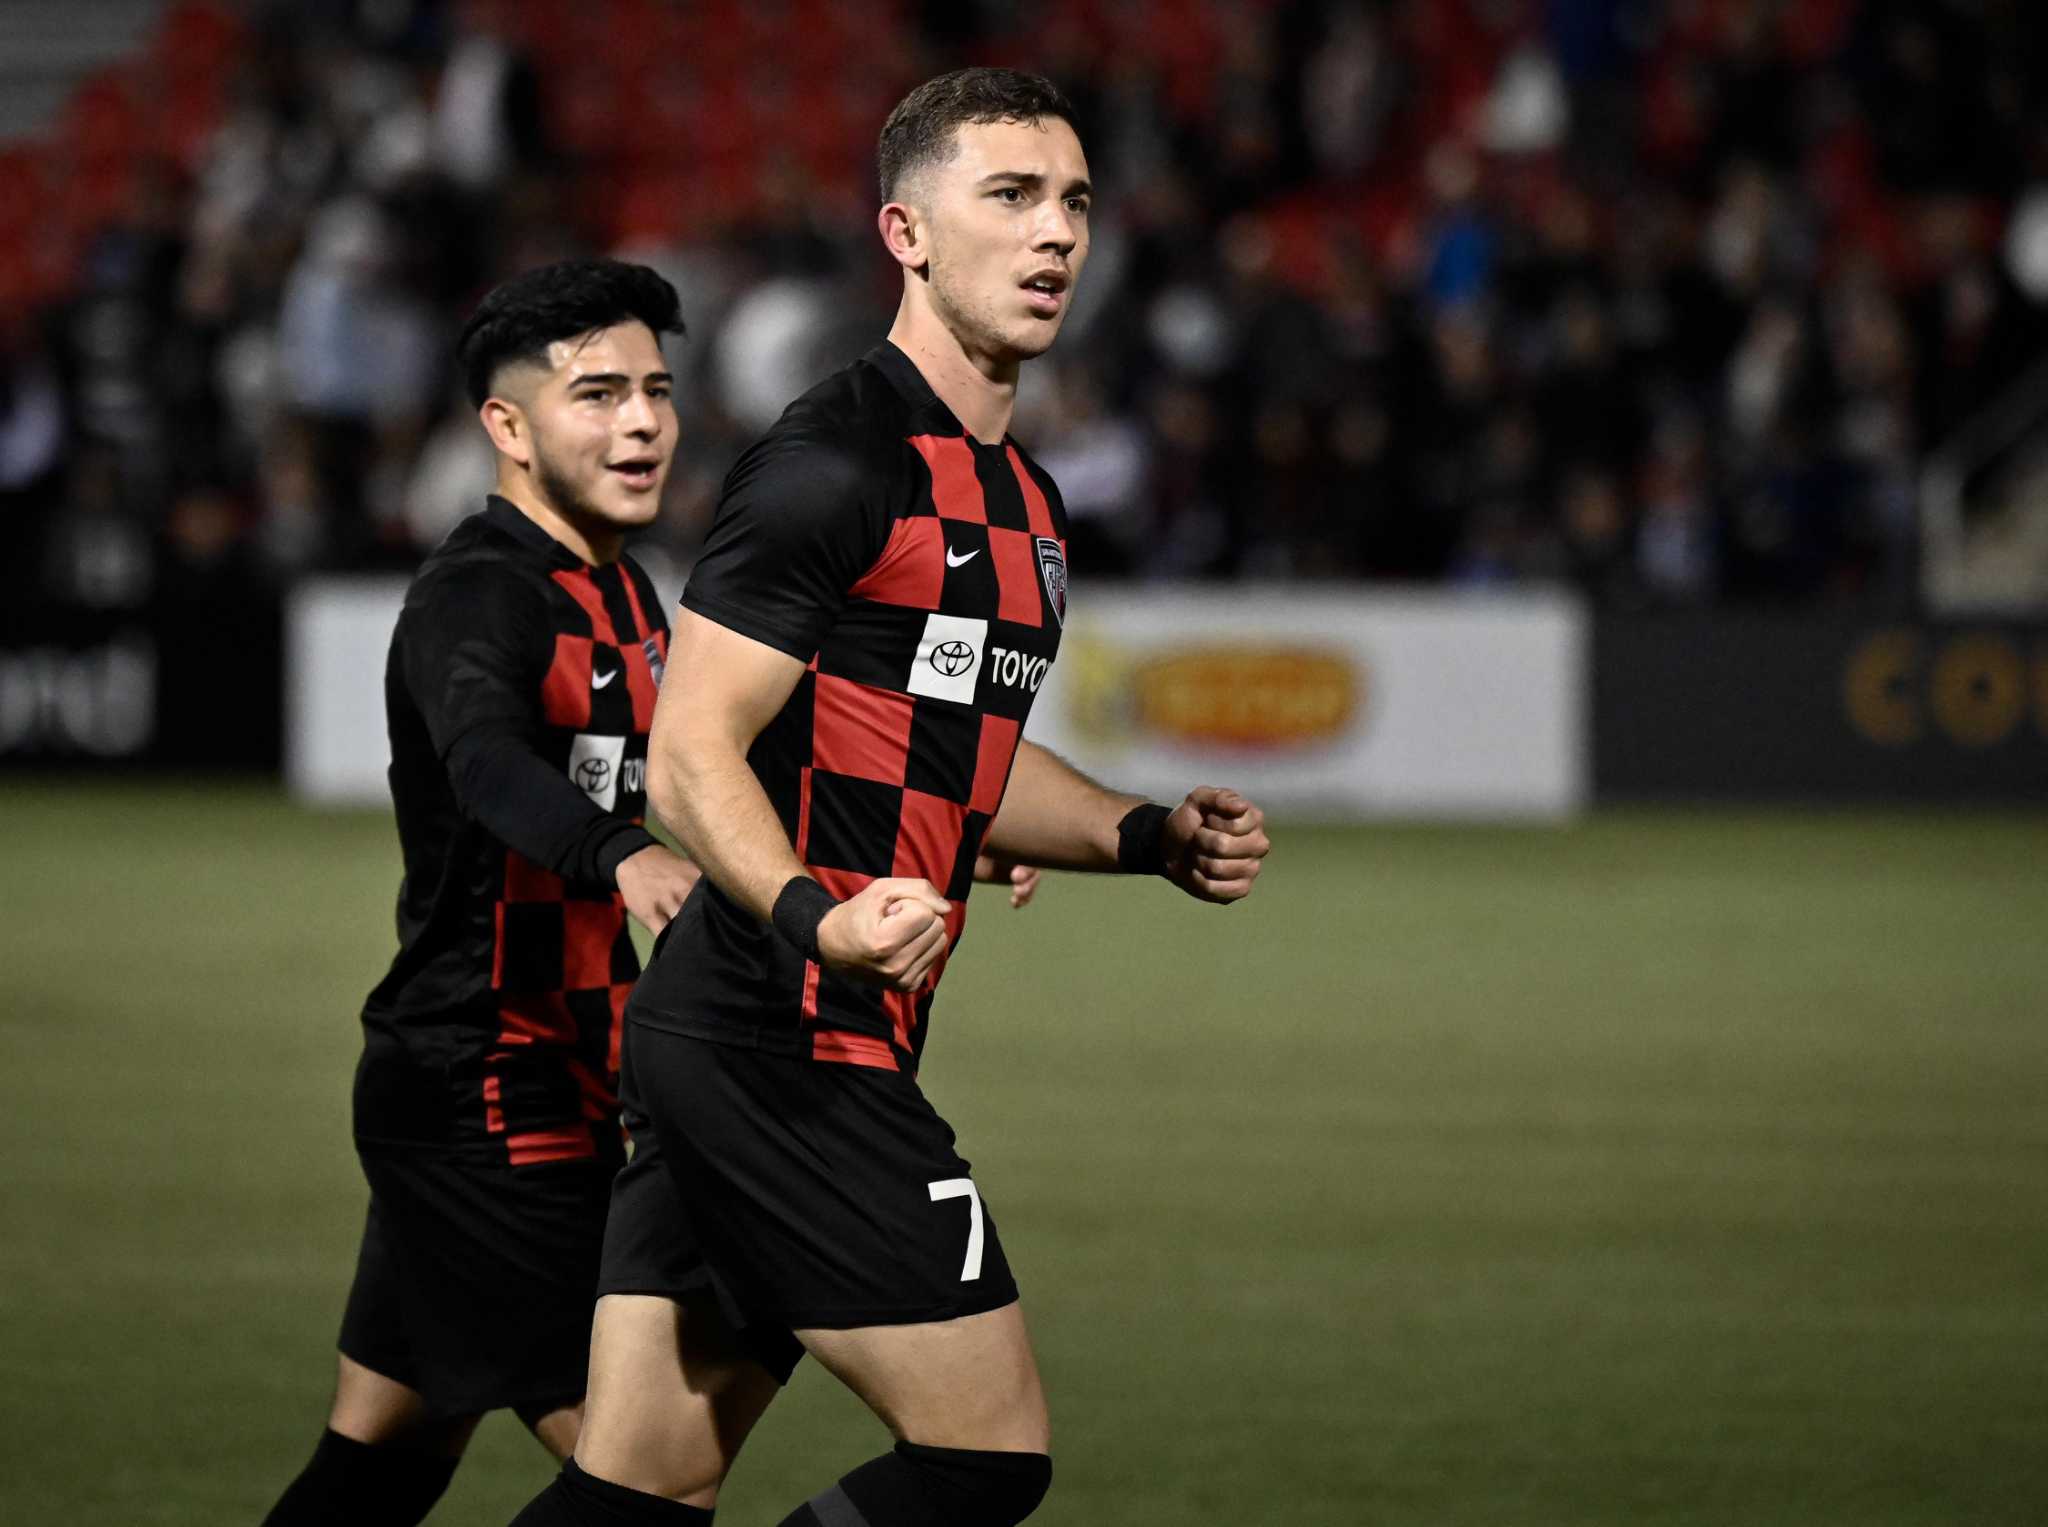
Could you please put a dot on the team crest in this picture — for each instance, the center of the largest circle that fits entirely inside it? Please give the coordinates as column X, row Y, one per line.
column 653, row 651
column 1052, row 566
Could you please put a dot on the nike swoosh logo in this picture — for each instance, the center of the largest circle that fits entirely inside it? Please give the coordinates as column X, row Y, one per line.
column 597, row 682
column 954, row 559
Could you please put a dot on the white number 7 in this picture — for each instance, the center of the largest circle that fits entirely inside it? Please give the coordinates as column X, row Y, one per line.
column 963, row 1187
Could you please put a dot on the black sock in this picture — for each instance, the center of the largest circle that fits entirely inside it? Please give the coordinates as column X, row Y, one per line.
column 577, row 1499
column 918, row 1486
column 355, row 1484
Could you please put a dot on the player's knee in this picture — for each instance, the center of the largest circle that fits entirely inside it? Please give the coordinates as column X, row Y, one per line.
column 580, row 1499
column 981, row 1489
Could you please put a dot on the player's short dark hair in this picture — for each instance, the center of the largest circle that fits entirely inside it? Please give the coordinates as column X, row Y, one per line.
column 920, row 130
column 520, row 318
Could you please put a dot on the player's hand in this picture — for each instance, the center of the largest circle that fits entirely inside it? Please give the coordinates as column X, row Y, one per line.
column 891, row 934
column 656, row 883
column 1214, row 843
column 1022, row 879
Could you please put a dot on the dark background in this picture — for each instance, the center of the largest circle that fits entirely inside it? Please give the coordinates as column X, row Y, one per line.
column 1671, row 302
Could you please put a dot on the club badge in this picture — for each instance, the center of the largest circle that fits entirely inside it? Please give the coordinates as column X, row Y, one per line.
column 1052, row 566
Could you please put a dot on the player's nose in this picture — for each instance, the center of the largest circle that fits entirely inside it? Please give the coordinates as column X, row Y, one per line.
column 640, row 418
column 1055, row 233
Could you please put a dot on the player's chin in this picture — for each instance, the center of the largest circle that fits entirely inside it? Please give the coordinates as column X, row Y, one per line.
column 1034, row 336
column 630, row 506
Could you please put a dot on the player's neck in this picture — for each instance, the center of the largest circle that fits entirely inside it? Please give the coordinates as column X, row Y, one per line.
column 597, row 544
column 981, row 390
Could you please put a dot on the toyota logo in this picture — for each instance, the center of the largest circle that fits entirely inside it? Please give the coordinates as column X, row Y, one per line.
column 952, row 658
column 592, row 774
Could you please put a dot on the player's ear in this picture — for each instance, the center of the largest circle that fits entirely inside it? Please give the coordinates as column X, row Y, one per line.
column 505, row 422
column 904, row 235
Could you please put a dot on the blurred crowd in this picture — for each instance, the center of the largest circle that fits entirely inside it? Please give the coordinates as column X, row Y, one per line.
column 1668, row 300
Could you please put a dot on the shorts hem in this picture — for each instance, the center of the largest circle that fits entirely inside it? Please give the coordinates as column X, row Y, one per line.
column 539, row 1398
column 849, row 1319
column 379, row 1365
column 690, row 1288
column 845, row 1318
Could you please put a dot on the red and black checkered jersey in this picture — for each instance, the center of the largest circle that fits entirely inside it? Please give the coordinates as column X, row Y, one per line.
column 519, row 691
column 922, row 577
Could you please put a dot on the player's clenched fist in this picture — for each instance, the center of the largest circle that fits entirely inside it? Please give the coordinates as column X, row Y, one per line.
column 1214, row 843
column 891, row 934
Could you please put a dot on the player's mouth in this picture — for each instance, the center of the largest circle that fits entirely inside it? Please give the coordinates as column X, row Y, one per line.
column 1045, row 292
column 640, row 473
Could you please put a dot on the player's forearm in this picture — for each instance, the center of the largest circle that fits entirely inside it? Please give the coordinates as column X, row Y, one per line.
column 1056, row 817
column 532, row 808
column 711, row 800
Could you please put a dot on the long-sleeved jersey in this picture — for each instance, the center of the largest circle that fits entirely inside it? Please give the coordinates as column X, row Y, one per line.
column 519, row 691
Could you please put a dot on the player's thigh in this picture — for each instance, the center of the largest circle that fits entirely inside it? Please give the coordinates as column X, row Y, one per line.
column 823, row 1196
column 371, row 1408
column 673, row 1394
column 971, row 1382
column 475, row 1279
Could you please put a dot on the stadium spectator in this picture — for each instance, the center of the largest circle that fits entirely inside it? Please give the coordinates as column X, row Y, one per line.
column 1463, row 280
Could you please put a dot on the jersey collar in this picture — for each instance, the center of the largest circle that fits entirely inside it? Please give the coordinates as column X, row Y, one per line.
column 504, row 515
column 904, row 376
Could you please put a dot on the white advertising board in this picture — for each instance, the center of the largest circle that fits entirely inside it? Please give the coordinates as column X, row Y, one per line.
column 1343, row 702
column 1338, row 702
column 337, row 631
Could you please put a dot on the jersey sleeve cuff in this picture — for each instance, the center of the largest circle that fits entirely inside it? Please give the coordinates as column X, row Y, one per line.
column 620, row 847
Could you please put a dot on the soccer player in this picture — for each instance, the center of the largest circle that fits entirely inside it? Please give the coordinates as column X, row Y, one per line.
column 880, row 597
column 519, row 691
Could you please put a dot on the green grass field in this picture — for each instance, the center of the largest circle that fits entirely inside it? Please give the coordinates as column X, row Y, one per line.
column 1673, row 1168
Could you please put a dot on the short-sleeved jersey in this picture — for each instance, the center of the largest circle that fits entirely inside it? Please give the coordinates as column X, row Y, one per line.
column 519, row 688
column 921, row 576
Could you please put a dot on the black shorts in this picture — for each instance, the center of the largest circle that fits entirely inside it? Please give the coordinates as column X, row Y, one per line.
column 800, row 1193
column 475, row 1280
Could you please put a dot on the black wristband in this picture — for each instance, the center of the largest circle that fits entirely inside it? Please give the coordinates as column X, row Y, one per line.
column 1141, row 840
column 799, row 907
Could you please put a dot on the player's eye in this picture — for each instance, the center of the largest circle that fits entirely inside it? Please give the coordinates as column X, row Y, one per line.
column 1078, row 205
column 1011, row 195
